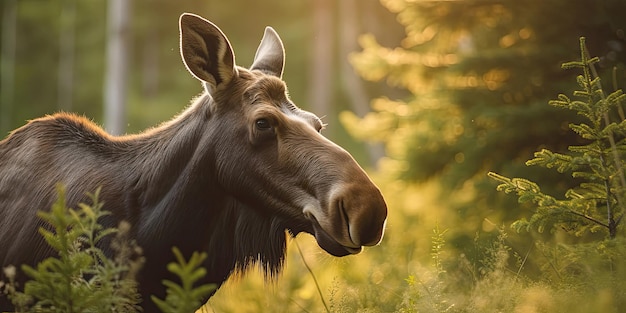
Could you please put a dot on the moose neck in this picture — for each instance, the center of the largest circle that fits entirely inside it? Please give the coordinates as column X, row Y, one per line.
column 176, row 180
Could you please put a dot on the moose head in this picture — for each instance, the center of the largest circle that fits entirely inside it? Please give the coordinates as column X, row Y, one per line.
column 271, row 154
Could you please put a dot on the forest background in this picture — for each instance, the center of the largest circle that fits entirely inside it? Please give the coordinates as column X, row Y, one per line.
column 428, row 95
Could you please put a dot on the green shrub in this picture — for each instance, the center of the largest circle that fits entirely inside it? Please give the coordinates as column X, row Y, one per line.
column 185, row 298
column 597, row 203
column 592, row 211
column 83, row 279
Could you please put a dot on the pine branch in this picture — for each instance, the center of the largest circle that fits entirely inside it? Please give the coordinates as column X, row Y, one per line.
column 598, row 163
column 590, row 218
column 185, row 297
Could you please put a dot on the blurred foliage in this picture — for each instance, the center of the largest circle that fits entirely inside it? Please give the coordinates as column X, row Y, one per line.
column 480, row 75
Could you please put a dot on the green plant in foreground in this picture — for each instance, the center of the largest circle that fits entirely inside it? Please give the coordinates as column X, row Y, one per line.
column 597, row 203
column 83, row 279
column 185, row 298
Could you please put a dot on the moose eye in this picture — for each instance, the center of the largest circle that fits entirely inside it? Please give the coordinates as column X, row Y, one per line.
column 263, row 124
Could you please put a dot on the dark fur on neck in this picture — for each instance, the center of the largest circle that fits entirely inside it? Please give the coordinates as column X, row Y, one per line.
column 248, row 237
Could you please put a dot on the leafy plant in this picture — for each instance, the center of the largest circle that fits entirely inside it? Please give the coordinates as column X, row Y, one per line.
column 185, row 298
column 83, row 279
column 597, row 203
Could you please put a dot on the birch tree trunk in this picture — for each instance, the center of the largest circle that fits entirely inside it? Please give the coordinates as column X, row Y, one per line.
column 322, row 58
column 116, row 75
column 359, row 100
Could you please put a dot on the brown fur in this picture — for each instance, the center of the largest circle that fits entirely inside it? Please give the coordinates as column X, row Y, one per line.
column 209, row 180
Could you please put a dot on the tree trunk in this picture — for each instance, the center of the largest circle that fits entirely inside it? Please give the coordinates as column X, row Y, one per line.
column 322, row 58
column 117, row 66
column 7, row 65
column 355, row 91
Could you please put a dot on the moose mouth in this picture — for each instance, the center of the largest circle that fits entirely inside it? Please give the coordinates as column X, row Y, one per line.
column 326, row 242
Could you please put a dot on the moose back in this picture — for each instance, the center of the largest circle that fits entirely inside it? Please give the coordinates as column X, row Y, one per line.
column 228, row 176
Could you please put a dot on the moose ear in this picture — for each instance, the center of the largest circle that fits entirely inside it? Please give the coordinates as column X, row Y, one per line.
column 206, row 52
column 270, row 56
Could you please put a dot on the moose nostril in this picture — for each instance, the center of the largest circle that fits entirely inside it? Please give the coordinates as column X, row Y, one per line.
column 368, row 216
column 374, row 232
column 358, row 214
column 353, row 232
column 364, row 229
column 344, row 217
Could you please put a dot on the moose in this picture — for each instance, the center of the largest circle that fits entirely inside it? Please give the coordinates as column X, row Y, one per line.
column 235, row 174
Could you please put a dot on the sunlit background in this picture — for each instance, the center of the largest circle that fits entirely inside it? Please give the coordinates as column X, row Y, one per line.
column 429, row 96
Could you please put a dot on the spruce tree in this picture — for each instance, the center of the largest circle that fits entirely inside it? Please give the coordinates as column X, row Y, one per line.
column 597, row 202
column 479, row 74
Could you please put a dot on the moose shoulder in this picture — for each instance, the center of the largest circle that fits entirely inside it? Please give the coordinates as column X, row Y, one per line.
column 228, row 176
